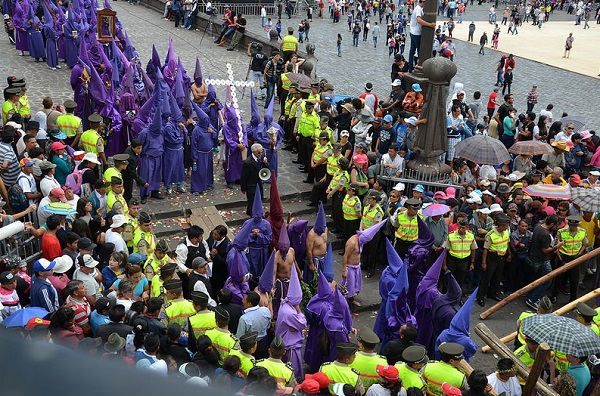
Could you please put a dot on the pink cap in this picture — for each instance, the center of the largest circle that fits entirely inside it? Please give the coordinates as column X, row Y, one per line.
column 440, row 195
column 59, row 193
column 57, row 146
column 450, row 390
column 549, row 210
column 450, row 192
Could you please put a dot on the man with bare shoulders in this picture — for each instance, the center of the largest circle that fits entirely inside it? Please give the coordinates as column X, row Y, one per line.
column 316, row 246
column 285, row 258
column 351, row 273
column 199, row 90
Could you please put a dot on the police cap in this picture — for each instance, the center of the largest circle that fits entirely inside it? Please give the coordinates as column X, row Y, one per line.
column 585, row 310
column 116, row 181
column 21, row 85
column 452, row 350
column 70, row 104
column 573, row 220
column 95, row 118
column 134, row 202
column 162, row 246
column 277, row 344
column 294, row 85
column 248, row 340
column 374, row 195
column 314, row 85
column 221, row 315
column 172, row 284
column 168, row 269
column 345, row 349
column 199, row 297
column 368, row 336
column 502, row 219
column 415, row 354
column 337, row 147
column 144, row 217
column 344, row 163
column 309, row 104
column 414, row 202
column 121, row 157
column 324, row 135
column 13, row 91
column 354, row 187
column 324, row 120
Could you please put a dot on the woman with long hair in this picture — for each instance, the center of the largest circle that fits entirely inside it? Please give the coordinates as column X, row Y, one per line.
column 63, row 329
column 84, row 210
column 115, row 268
column 134, row 273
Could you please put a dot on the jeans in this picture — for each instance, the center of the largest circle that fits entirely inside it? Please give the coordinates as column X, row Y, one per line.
column 339, row 49
column 415, row 43
column 270, row 92
column 375, row 41
column 544, row 269
column 223, row 31
column 355, row 40
column 187, row 20
column 530, row 107
column 258, row 76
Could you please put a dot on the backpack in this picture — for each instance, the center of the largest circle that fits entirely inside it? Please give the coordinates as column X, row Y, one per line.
column 362, row 178
column 74, row 181
column 16, row 197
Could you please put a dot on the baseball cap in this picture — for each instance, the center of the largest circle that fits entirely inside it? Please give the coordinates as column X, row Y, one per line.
column 103, row 303
column 396, row 83
column 59, row 193
column 450, row 390
column 344, row 133
column 43, row 265
column 26, row 162
column 399, row 187
column 474, row 200
column 369, row 86
column 575, row 179
column 419, row 188
column 33, row 322
column 309, row 386
column 451, row 192
column 440, row 195
column 57, row 146
column 87, row 261
column 7, row 278
column 388, row 118
column 595, row 173
column 390, row 373
column 320, row 377
column 416, row 87
column 411, row 120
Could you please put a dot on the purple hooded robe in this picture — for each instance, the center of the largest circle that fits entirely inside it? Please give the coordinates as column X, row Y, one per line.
column 397, row 311
column 173, row 171
column 71, row 31
column 266, row 133
column 386, row 283
column 202, row 178
column 416, row 261
column 35, row 41
column 20, row 18
column 150, row 167
column 459, row 330
column 443, row 307
column 236, row 282
column 50, row 32
column 233, row 136
column 258, row 245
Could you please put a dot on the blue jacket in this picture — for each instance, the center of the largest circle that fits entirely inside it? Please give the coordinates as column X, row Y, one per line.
column 43, row 295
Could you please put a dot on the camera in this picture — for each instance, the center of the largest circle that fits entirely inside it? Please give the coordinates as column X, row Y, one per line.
column 254, row 48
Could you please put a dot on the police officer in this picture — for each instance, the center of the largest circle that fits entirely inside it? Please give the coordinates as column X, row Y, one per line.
column 322, row 151
column 574, row 240
column 461, row 248
column 367, row 360
column 201, row 321
column 70, row 124
column 340, row 370
column 120, row 164
column 526, row 354
column 177, row 309
column 289, row 45
column 337, row 191
column 315, row 94
column 91, row 140
column 415, row 358
column 407, row 222
column 282, row 372
column 156, row 260
column 132, row 223
column 114, row 198
column 307, row 123
column 352, row 209
column 372, row 213
column 544, row 307
column 223, row 340
column 436, row 373
column 166, row 272
column 290, row 107
column 247, row 348
column 585, row 316
column 144, row 241
column 495, row 254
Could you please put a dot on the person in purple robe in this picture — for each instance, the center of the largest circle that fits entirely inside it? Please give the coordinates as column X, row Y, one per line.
column 240, row 243
column 35, row 41
column 236, row 142
column 51, row 34
column 330, row 322
column 270, row 135
column 281, row 257
column 213, row 108
column 61, row 41
column 20, row 18
column 260, row 237
column 173, row 132
column 397, row 311
column 71, row 31
column 254, row 119
column 266, row 284
column 427, row 291
column 202, row 178
column 291, row 324
column 237, row 281
column 297, row 233
column 458, row 331
column 386, row 283
column 129, row 112
column 170, row 67
column 417, row 261
column 129, row 49
column 443, row 307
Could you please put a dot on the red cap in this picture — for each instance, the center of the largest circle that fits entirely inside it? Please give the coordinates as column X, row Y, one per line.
column 450, row 390
column 390, row 373
column 310, row 386
column 360, row 158
column 575, row 179
column 320, row 377
column 57, row 146
column 33, row 322
column 59, row 193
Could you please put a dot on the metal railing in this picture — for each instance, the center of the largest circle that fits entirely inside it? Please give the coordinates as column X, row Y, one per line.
column 23, row 243
column 431, row 182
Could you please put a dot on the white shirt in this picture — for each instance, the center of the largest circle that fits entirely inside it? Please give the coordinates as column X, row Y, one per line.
column 546, row 113
column 117, row 239
column 47, row 184
column 397, row 161
column 182, row 252
column 27, row 183
column 201, row 287
column 42, row 214
column 562, row 136
column 511, row 387
column 487, row 172
column 415, row 26
column 93, row 288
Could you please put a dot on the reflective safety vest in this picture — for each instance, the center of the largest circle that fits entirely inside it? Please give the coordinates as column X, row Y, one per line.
column 223, row 341
column 337, row 179
column 143, row 242
column 408, row 229
column 460, row 246
column 332, row 164
column 522, row 317
column 314, row 98
column 282, row 372
column 436, row 373
column 110, row 172
column 409, row 377
column 201, row 322
column 90, row 140
column 308, row 123
column 153, row 265
column 157, row 289
column 342, row 373
column 178, row 311
column 572, row 244
column 320, row 151
column 499, row 241
column 116, row 202
column 523, row 354
column 294, row 107
column 371, row 216
column 289, row 43
column 129, row 231
column 68, row 124
column 8, row 109
column 24, row 107
column 562, row 363
column 329, row 133
column 246, row 361
column 366, row 364
column 289, row 103
column 349, row 207
column 285, row 81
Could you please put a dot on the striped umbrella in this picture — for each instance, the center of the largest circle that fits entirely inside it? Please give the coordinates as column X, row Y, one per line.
column 59, row 208
column 577, row 121
column 531, row 147
column 587, row 199
column 482, row 150
column 550, row 191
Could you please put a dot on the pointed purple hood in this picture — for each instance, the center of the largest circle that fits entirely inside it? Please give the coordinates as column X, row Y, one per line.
column 236, row 272
column 323, row 287
column 241, row 239
column 269, row 113
column 328, row 265
column 258, row 211
column 267, row 278
column 459, row 329
column 294, row 296
column 397, row 310
column 198, row 73
column 368, row 234
column 394, row 261
column 427, row 289
column 254, row 112
column 321, row 221
column 284, row 241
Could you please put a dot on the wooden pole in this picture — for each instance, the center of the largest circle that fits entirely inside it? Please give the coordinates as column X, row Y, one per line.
column 541, row 358
column 561, row 311
column 542, row 280
column 492, row 340
column 466, row 368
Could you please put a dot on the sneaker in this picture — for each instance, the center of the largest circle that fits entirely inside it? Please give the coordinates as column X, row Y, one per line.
column 181, row 190
column 169, row 191
column 590, row 271
column 532, row 304
column 58, row 67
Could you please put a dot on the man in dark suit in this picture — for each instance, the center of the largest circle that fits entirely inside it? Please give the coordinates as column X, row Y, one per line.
column 218, row 242
column 249, row 179
column 116, row 315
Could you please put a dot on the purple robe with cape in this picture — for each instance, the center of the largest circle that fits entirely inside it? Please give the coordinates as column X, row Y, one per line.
column 212, row 107
column 202, row 155
column 173, row 171
column 416, row 261
column 71, row 30
column 20, row 18
column 267, row 133
column 258, row 245
column 233, row 136
column 397, row 311
column 459, row 330
column 50, row 32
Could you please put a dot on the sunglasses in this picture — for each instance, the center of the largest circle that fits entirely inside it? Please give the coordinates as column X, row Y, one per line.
column 570, row 128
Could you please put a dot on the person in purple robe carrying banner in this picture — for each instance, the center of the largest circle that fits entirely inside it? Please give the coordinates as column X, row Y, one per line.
column 291, row 324
column 236, row 142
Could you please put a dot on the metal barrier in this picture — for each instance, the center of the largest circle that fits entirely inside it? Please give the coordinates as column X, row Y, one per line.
column 411, row 178
column 23, row 243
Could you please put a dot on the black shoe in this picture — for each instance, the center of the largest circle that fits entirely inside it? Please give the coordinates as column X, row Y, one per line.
column 369, row 274
column 144, row 200
column 308, row 181
column 554, row 300
column 296, row 162
column 156, row 195
column 341, row 252
column 230, row 49
column 230, row 186
column 313, row 204
column 481, row 302
column 498, row 297
column 302, row 167
column 294, row 151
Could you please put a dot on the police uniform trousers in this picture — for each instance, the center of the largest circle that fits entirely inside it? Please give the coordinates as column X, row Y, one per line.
column 336, row 211
column 459, row 268
column 401, row 246
column 490, row 285
column 350, row 227
column 305, row 150
column 318, row 192
column 571, row 275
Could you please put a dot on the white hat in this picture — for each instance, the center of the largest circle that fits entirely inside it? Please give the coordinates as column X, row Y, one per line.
column 495, row 208
column 488, row 192
column 595, row 173
column 396, row 83
column 484, row 211
column 399, row 187
column 91, row 157
column 474, row 200
column 88, row 261
column 118, row 221
column 63, row 264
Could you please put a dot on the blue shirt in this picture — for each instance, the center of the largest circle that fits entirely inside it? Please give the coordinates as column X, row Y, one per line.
column 582, row 376
column 254, row 319
column 139, row 288
column 96, row 320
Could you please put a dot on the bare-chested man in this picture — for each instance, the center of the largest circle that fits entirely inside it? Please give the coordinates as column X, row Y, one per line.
column 316, row 246
column 351, row 273
column 199, row 92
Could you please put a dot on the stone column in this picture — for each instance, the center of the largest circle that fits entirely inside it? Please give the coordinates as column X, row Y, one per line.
column 427, row 33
